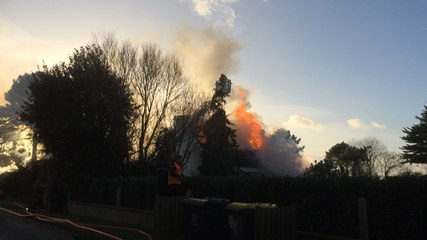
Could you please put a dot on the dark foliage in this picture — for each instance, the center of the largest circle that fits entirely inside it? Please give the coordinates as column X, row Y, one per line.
column 415, row 151
column 341, row 160
column 136, row 192
column 80, row 112
column 220, row 145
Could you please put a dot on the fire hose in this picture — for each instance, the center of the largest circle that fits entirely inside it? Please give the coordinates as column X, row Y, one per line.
column 89, row 227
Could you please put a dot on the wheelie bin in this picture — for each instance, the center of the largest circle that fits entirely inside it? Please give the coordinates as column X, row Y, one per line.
column 241, row 219
column 206, row 218
column 194, row 218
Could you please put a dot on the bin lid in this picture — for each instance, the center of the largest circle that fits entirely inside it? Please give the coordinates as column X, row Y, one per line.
column 243, row 205
column 218, row 202
column 195, row 201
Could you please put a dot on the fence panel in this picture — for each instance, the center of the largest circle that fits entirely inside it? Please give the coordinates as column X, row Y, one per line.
column 275, row 223
column 168, row 217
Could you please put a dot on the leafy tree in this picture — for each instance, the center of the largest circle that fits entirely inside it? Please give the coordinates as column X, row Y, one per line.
column 415, row 151
column 325, row 168
column 220, row 145
column 348, row 160
column 342, row 160
column 81, row 112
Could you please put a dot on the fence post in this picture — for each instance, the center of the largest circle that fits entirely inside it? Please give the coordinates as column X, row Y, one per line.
column 118, row 196
column 363, row 219
column 293, row 221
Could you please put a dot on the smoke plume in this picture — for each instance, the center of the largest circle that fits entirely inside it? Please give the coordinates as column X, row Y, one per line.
column 278, row 153
column 207, row 53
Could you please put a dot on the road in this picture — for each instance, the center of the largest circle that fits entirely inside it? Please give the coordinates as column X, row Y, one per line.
column 18, row 228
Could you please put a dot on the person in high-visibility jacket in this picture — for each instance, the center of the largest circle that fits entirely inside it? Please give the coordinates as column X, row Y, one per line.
column 175, row 172
column 175, row 177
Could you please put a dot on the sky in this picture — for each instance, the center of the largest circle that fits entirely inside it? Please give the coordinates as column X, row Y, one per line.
column 327, row 70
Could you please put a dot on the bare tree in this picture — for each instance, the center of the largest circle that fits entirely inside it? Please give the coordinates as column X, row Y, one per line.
column 388, row 164
column 381, row 162
column 190, row 112
column 160, row 91
column 122, row 58
column 375, row 150
column 158, row 83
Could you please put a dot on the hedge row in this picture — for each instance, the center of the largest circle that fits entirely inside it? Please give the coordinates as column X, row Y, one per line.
column 135, row 192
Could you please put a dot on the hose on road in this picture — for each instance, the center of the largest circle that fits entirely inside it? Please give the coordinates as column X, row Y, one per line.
column 89, row 227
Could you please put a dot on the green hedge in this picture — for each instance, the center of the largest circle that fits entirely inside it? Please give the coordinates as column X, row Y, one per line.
column 136, row 192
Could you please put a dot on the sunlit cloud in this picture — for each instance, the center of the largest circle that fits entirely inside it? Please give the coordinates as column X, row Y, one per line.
column 220, row 12
column 377, row 125
column 358, row 123
column 302, row 122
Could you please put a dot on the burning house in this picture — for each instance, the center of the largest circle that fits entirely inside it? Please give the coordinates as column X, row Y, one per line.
column 260, row 153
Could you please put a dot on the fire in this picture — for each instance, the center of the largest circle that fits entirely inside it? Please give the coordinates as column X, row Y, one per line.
column 248, row 123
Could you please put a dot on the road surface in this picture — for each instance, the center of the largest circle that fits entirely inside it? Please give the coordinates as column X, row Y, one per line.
column 18, row 228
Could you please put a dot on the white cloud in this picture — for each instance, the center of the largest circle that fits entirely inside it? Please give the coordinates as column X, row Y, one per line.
column 377, row 125
column 302, row 122
column 220, row 12
column 203, row 8
column 358, row 123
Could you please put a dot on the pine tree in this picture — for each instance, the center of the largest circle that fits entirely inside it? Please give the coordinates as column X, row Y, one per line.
column 220, row 147
column 415, row 151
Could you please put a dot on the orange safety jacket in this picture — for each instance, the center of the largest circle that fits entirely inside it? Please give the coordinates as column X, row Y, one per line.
column 174, row 174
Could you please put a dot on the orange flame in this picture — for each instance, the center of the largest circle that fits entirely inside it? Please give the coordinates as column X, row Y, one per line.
column 249, row 121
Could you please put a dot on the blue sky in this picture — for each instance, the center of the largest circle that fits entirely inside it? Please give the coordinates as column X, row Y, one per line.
column 329, row 71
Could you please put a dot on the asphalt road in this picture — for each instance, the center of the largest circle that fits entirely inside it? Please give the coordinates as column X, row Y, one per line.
column 18, row 228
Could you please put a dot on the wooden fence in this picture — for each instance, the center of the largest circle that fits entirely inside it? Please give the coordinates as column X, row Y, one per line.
column 168, row 218
column 363, row 227
column 276, row 223
column 269, row 223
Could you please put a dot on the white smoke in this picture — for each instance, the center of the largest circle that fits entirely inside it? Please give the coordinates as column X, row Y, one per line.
column 207, row 53
column 281, row 154
column 278, row 153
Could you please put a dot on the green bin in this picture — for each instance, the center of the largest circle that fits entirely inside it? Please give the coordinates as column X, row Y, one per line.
column 206, row 218
column 194, row 215
column 241, row 219
column 216, row 219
